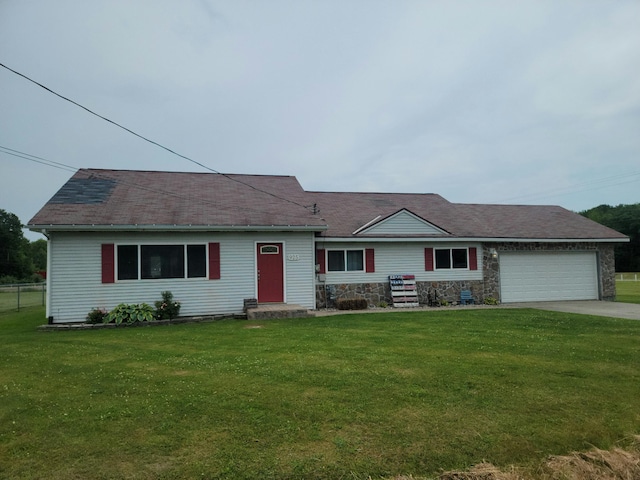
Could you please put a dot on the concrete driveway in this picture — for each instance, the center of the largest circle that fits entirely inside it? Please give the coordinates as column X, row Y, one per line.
column 587, row 307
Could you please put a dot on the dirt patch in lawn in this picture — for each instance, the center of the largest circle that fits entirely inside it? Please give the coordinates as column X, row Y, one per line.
column 596, row 464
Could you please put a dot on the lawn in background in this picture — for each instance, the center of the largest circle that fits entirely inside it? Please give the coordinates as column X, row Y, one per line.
column 628, row 291
column 347, row 396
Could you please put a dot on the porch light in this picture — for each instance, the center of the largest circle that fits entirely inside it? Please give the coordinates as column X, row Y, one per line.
column 493, row 253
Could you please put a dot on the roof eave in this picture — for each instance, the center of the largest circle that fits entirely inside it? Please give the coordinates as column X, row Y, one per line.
column 173, row 228
column 451, row 238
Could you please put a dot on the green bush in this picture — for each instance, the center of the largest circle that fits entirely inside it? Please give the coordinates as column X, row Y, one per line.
column 167, row 307
column 130, row 313
column 96, row 315
column 352, row 304
column 490, row 301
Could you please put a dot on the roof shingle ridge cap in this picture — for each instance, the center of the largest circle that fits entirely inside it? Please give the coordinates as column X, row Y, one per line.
column 135, row 170
column 471, row 204
column 377, row 193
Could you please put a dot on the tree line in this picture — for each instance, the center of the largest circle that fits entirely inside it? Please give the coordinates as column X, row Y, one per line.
column 625, row 219
column 20, row 259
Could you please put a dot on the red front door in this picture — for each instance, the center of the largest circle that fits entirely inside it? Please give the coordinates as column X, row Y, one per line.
column 270, row 273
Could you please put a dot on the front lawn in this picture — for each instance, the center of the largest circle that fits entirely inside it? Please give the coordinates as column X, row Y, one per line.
column 347, row 396
column 627, row 291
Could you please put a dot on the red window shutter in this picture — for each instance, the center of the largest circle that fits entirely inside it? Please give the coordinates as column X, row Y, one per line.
column 214, row 261
column 320, row 260
column 428, row 259
column 473, row 258
column 370, row 260
column 108, row 263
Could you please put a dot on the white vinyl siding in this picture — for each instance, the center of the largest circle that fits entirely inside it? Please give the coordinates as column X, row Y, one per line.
column 401, row 258
column 548, row 276
column 76, row 286
column 403, row 223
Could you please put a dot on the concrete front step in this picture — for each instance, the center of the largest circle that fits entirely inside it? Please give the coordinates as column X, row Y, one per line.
column 277, row 310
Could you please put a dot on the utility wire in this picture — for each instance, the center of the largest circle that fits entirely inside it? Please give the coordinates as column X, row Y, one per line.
column 70, row 168
column 152, row 141
column 569, row 189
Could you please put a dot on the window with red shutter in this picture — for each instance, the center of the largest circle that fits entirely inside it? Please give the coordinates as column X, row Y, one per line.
column 428, row 259
column 320, row 261
column 108, row 263
column 214, row 261
column 370, row 260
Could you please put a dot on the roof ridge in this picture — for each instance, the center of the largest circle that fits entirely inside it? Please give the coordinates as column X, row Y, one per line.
column 126, row 170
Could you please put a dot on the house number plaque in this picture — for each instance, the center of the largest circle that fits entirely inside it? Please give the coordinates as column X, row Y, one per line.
column 293, row 257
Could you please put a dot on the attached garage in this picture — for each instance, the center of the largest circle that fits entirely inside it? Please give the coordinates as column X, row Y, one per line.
column 548, row 276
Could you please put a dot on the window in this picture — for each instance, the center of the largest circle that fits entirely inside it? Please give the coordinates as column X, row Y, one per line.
column 127, row 262
column 269, row 250
column 196, row 261
column 161, row 261
column 345, row 260
column 448, row 258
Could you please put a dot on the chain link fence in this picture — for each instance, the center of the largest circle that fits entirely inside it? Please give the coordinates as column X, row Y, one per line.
column 17, row 296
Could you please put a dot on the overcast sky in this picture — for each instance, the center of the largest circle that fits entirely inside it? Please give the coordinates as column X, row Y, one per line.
column 534, row 102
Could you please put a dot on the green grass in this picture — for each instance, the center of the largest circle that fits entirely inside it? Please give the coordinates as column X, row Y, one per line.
column 628, row 291
column 9, row 300
column 347, row 396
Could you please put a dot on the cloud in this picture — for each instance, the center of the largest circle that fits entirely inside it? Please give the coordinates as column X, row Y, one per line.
column 477, row 101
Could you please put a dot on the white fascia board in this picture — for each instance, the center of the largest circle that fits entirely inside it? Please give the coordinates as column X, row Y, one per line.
column 175, row 228
column 470, row 239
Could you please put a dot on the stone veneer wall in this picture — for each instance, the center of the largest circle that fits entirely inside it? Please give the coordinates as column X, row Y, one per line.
column 604, row 257
column 375, row 293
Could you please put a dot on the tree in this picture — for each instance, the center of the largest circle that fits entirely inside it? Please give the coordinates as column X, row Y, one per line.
column 625, row 219
column 38, row 252
column 15, row 259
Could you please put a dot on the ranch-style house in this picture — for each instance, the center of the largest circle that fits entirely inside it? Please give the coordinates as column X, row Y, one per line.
column 215, row 240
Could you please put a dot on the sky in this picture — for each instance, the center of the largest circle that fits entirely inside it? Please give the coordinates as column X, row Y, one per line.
column 527, row 102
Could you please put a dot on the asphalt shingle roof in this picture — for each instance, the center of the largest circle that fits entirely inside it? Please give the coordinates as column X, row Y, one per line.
column 173, row 198
column 128, row 198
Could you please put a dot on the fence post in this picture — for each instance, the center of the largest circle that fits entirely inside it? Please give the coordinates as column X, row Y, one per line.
column 18, row 297
column 43, row 293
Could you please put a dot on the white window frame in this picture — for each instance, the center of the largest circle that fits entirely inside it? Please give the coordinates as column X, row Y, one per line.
column 344, row 256
column 450, row 267
column 139, row 256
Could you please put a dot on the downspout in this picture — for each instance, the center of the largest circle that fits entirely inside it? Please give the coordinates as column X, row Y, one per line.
column 49, row 279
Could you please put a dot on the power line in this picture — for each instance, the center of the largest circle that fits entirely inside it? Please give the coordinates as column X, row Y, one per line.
column 35, row 158
column 70, row 168
column 575, row 188
column 148, row 139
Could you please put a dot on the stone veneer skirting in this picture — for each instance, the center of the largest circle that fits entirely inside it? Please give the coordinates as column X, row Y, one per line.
column 489, row 287
column 327, row 296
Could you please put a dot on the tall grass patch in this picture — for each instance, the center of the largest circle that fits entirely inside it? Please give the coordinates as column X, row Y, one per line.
column 347, row 396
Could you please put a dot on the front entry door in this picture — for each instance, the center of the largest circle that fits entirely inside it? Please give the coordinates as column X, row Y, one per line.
column 270, row 273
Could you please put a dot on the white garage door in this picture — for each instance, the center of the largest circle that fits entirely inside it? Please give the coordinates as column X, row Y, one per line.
column 548, row 276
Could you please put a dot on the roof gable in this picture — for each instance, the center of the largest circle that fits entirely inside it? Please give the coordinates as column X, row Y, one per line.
column 403, row 222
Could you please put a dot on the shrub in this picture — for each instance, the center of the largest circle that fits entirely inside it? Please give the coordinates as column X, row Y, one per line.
column 167, row 307
column 352, row 304
column 383, row 304
column 130, row 313
column 96, row 315
column 8, row 280
column 490, row 301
